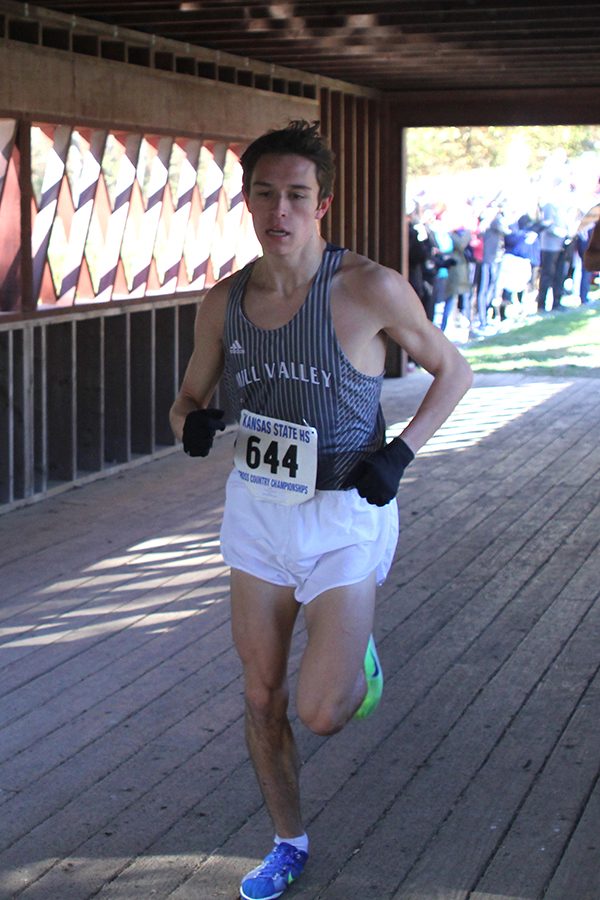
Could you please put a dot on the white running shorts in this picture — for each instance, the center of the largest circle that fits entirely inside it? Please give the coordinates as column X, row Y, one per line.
column 336, row 538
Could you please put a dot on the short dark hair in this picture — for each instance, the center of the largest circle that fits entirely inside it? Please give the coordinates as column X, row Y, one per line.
column 299, row 138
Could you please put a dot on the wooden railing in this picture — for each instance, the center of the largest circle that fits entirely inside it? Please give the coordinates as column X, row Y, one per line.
column 83, row 396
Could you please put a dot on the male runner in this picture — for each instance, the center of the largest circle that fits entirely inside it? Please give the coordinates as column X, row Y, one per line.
column 310, row 515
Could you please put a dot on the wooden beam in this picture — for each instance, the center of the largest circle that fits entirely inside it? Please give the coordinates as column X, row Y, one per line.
column 526, row 106
column 90, row 91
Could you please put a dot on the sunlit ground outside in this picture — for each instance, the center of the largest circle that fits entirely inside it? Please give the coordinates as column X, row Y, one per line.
column 564, row 343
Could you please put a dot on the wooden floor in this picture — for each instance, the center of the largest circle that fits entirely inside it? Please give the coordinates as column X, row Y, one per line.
column 123, row 771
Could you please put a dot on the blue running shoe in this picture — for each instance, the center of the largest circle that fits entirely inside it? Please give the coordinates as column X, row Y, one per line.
column 374, row 679
column 277, row 871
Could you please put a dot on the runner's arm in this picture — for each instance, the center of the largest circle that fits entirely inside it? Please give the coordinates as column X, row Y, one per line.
column 205, row 366
column 405, row 322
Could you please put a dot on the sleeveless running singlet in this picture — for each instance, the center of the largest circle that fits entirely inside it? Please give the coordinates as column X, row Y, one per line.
column 300, row 373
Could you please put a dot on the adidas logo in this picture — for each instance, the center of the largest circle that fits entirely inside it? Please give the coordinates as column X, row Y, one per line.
column 236, row 347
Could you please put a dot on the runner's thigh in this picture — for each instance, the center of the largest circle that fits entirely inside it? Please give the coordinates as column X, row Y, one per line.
column 339, row 623
column 262, row 622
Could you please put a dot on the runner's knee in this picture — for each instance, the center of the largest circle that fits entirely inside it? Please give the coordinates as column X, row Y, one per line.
column 322, row 715
column 264, row 702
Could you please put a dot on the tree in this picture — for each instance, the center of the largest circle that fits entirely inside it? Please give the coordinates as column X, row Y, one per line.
column 438, row 151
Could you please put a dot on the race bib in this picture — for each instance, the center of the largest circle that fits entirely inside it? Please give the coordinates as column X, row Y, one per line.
column 276, row 459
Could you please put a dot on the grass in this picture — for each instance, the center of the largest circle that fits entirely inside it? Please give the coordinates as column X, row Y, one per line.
column 562, row 344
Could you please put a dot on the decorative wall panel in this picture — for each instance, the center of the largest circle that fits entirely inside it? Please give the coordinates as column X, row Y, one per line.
column 121, row 216
column 10, row 198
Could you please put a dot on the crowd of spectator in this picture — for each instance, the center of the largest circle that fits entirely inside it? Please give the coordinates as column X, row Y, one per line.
column 482, row 269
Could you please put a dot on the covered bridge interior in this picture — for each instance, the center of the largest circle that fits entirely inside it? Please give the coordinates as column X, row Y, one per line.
column 121, row 127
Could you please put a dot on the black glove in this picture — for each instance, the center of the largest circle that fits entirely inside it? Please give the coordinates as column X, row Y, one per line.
column 378, row 476
column 199, row 430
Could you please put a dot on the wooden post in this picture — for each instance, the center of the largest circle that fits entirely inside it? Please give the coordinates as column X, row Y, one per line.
column 28, row 300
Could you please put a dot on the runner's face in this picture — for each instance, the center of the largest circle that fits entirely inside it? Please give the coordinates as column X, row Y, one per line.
column 284, row 202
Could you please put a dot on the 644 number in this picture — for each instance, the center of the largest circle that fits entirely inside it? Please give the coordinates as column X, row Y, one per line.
column 271, row 456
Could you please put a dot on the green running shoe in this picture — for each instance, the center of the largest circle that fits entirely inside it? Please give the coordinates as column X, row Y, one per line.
column 374, row 678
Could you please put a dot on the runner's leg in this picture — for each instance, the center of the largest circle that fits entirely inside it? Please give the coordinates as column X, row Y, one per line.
column 263, row 617
column 331, row 683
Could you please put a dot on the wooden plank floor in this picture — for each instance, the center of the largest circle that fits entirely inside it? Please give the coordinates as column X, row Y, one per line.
column 123, row 771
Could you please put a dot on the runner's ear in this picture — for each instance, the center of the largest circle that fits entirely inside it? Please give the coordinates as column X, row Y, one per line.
column 323, row 206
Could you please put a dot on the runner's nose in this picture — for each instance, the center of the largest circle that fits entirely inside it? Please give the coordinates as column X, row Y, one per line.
column 281, row 205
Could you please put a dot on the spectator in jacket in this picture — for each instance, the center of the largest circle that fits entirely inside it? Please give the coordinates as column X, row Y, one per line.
column 493, row 251
column 552, row 242
column 459, row 283
column 515, row 270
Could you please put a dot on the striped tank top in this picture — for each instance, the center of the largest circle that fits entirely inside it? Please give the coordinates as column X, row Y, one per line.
column 300, row 373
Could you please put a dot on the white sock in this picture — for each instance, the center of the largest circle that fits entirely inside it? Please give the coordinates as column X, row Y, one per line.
column 300, row 843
